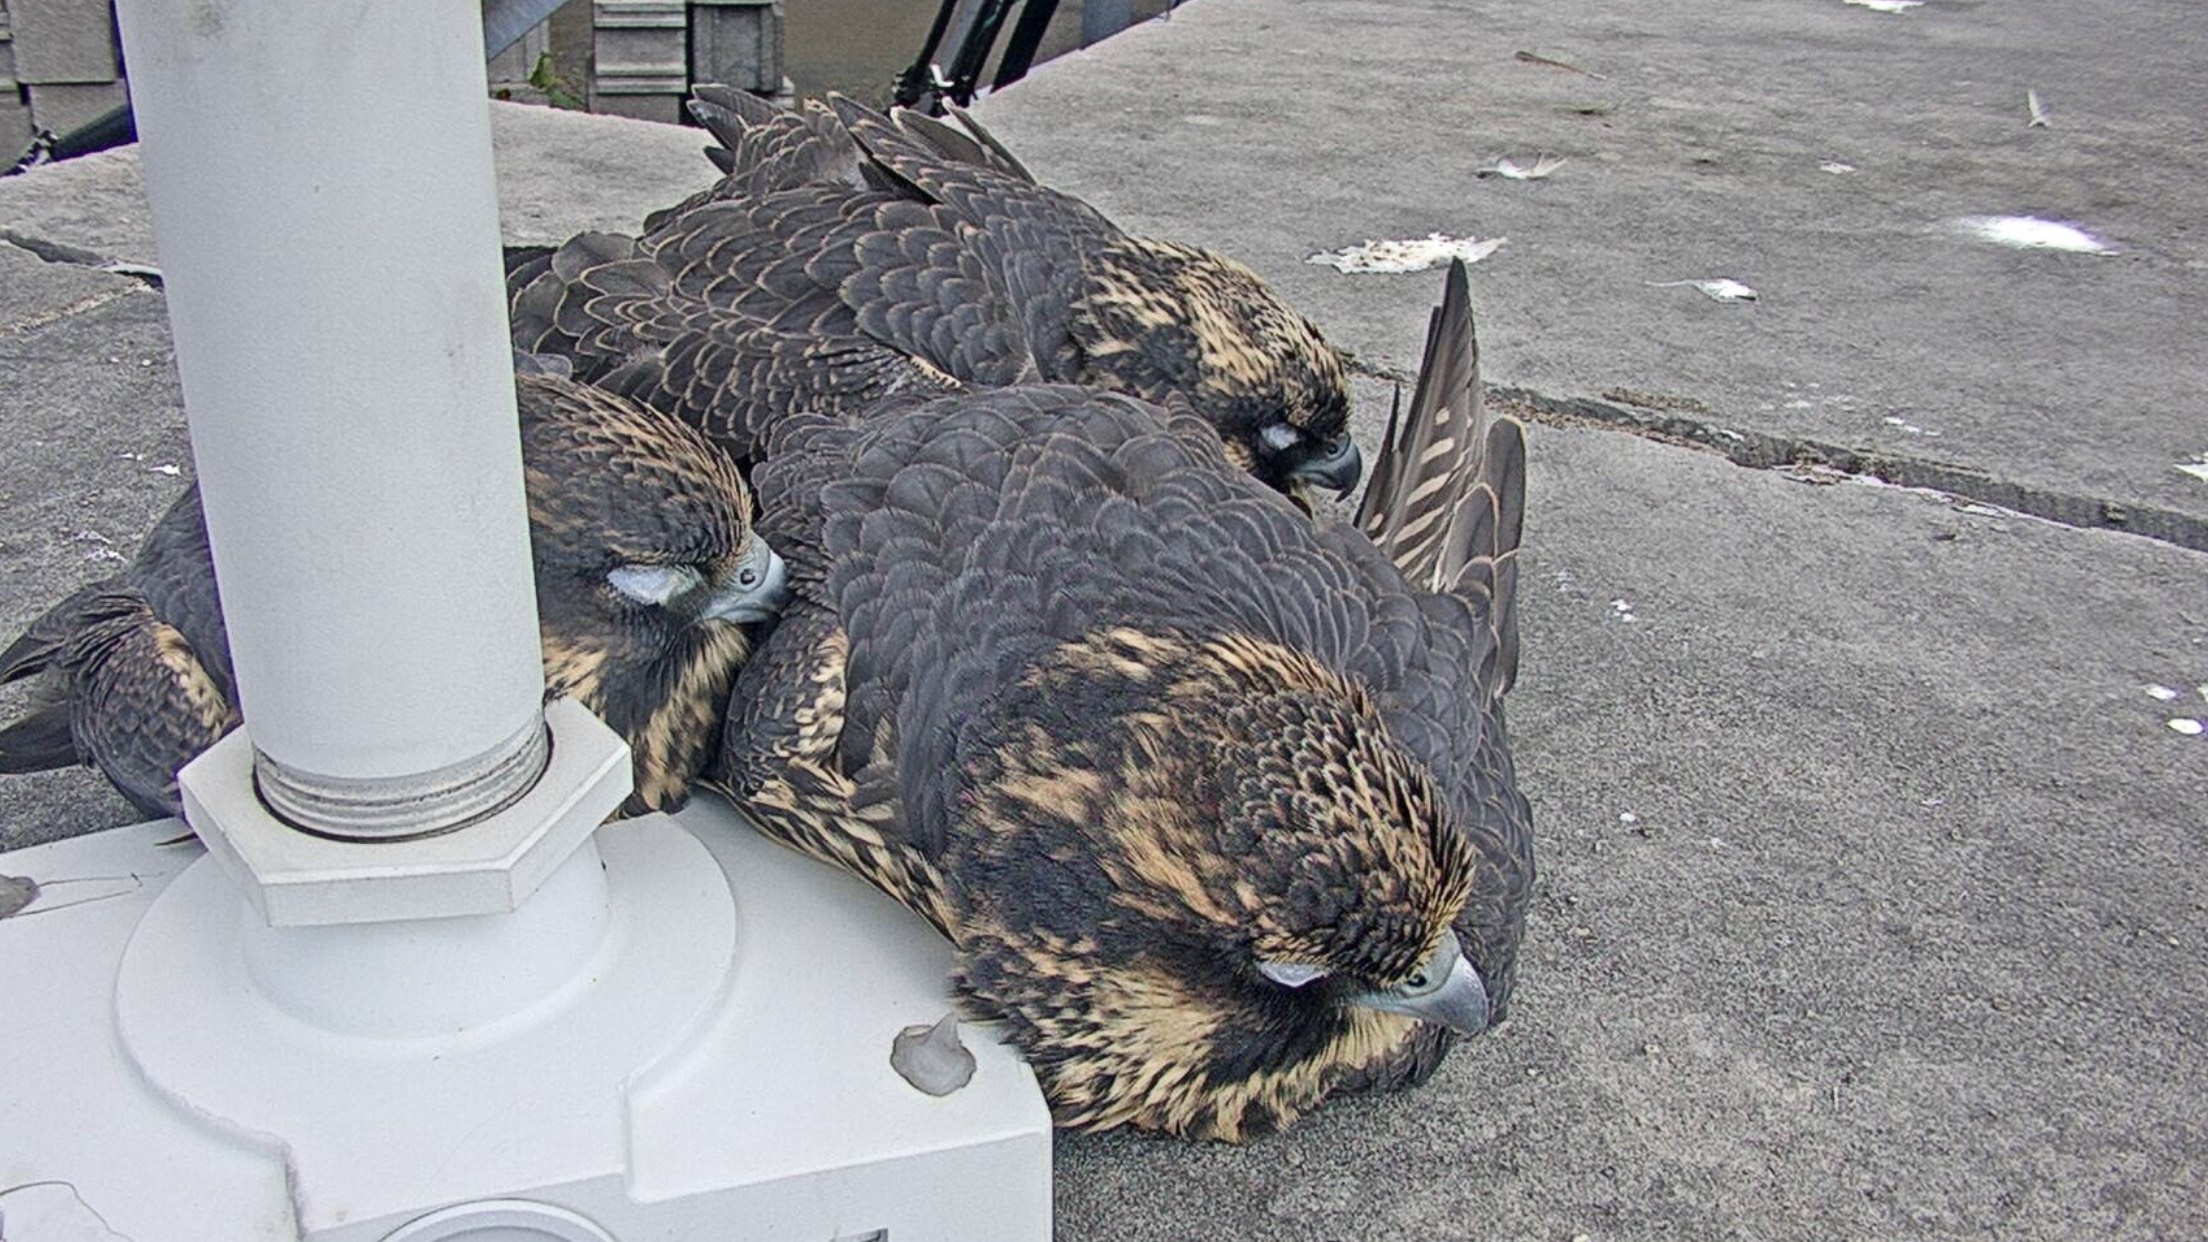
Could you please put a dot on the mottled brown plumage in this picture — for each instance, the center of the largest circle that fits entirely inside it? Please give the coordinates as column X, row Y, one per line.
column 1208, row 798
column 849, row 257
column 646, row 568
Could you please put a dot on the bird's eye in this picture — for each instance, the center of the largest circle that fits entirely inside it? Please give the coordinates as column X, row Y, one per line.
column 1280, row 437
column 1435, row 972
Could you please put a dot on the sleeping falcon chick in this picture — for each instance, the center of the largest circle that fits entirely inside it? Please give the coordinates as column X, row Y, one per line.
column 1217, row 809
column 849, row 256
column 646, row 570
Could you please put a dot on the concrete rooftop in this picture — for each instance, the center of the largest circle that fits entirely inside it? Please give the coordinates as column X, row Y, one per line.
column 1873, row 897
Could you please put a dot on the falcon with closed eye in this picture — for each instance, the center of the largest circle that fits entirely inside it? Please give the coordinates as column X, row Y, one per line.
column 849, row 256
column 1215, row 804
column 647, row 573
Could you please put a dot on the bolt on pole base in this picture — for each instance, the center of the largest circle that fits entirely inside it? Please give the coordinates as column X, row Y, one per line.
column 716, row 1065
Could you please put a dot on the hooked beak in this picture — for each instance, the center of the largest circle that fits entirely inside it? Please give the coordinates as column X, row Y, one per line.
column 757, row 590
column 1338, row 466
column 1455, row 996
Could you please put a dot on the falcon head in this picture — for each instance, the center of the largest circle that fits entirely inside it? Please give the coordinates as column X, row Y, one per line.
column 647, row 572
column 1161, row 319
column 1202, row 885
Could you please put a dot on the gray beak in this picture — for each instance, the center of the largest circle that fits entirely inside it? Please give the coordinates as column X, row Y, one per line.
column 757, row 590
column 1450, row 992
column 1338, row 466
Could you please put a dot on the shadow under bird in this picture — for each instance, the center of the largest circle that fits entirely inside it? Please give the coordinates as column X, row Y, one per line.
column 1215, row 804
column 850, row 256
column 647, row 571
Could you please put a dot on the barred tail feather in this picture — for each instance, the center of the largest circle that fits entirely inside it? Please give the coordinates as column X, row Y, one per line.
column 1448, row 492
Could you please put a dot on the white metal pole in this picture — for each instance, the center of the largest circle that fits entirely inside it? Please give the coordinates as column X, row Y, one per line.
column 322, row 194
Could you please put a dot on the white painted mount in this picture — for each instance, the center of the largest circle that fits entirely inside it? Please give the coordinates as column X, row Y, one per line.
column 717, row 1070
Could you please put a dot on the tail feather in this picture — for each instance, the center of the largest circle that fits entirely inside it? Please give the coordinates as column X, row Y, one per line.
column 764, row 147
column 894, row 158
column 41, row 741
column 42, row 643
column 733, row 118
column 1448, row 492
column 28, row 654
column 1002, row 158
column 1426, row 463
column 966, row 142
column 1483, row 541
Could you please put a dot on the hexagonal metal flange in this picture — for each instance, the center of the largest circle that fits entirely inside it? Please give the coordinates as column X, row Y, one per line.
column 296, row 879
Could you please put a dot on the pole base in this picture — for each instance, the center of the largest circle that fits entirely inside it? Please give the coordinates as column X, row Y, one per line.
column 718, row 1069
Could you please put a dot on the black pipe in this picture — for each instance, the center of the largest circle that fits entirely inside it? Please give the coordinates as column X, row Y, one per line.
column 1027, row 37
column 973, row 51
column 918, row 79
column 111, row 129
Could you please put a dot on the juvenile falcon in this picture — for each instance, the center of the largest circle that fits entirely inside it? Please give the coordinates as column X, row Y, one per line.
column 647, row 570
column 1215, row 805
column 850, row 256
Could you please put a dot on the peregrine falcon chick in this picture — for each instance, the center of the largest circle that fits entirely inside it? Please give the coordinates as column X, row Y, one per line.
column 1216, row 805
column 647, row 572
column 850, row 256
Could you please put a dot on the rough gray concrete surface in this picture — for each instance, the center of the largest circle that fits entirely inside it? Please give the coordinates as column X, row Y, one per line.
column 1276, row 132
column 1872, row 898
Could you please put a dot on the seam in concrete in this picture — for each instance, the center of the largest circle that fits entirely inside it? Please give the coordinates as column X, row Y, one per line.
column 1667, row 419
column 1673, row 420
column 76, row 256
